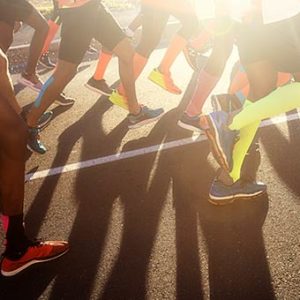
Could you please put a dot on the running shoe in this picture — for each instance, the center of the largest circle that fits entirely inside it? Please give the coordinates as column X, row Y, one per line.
column 92, row 50
column 37, row 252
column 225, row 102
column 221, row 194
column 222, row 139
column 117, row 99
column 63, row 100
column 99, row 86
column 45, row 119
column 46, row 62
column 194, row 58
column 190, row 123
column 34, row 143
column 32, row 81
column 164, row 81
column 145, row 116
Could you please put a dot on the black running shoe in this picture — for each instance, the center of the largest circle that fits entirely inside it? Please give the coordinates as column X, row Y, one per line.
column 46, row 62
column 63, row 100
column 190, row 123
column 34, row 143
column 99, row 86
column 92, row 50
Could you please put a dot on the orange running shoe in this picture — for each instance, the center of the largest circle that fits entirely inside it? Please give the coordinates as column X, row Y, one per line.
column 164, row 81
column 37, row 252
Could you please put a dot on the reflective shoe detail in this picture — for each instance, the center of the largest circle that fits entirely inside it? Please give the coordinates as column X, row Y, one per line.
column 164, row 81
column 194, row 58
column 99, row 86
column 221, row 194
column 222, row 139
column 45, row 119
column 37, row 252
column 32, row 81
column 62, row 100
column 146, row 116
column 117, row 99
column 92, row 50
column 46, row 62
column 33, row 143
column 225, row 102
column 190, row 123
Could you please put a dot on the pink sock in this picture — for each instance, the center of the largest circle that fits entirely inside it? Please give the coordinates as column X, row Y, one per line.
column 5, row 220
column 205, row 85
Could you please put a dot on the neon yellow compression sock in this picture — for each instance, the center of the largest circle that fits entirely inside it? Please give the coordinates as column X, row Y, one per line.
column 282, row 100
column 242, row 146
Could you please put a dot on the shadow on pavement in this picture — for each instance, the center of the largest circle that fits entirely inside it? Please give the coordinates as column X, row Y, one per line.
column 283, row 151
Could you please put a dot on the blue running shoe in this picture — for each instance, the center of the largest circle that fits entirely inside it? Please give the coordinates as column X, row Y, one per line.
column 34, row 143
column 222, row 139
column 221, row 194
column 146, row 116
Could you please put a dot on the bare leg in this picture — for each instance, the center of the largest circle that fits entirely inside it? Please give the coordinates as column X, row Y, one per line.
column 125, row 53
column 63, row 74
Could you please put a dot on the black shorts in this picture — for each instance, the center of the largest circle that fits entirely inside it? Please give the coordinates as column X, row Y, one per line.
column 80, row 25
column 15, row 10
column 278, row 43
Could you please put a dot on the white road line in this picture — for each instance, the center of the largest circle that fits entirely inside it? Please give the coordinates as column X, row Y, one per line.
column 142, row 151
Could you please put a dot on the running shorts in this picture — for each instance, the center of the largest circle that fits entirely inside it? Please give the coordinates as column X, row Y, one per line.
column 80, row 25
column 277, row 42
column 14, row 10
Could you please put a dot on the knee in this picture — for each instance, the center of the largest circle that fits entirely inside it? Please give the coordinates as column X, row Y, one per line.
column 126, row 57
column 3, row 62
column 43, row 27
column 190, row 27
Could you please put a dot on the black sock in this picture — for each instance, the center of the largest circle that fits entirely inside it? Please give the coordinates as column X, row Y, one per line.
column 17, row 242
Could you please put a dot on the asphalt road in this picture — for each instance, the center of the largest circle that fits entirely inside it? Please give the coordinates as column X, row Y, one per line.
column 141, row 227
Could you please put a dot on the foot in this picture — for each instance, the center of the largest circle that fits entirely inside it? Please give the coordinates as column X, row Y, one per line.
column 45, row 119
column 63, row 100
column 37, row 252
column 34, row 143
column 99, row 86
column 145, row 116
column 117, row 99
column 190, row 123
column 164, row 81
column 46, row 62
column 225, row 102
column 32, row 81
column 222, row 139
column 221, row 194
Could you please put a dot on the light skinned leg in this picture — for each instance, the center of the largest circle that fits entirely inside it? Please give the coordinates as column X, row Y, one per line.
column 62, row 75
column 40, row 25
column 125, row 53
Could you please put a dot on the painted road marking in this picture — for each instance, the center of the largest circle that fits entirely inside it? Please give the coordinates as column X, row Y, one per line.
column 142, row 151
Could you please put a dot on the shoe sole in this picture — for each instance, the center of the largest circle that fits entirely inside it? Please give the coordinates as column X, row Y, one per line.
column 215, row 142
column 46, row 66
column 28, row 84
column 63, row 104
column 145, row 122
column 33, row 151
column 165, row 89
column 229, row 200
column 33, row 262
column 188, row 127
column 96, row 90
